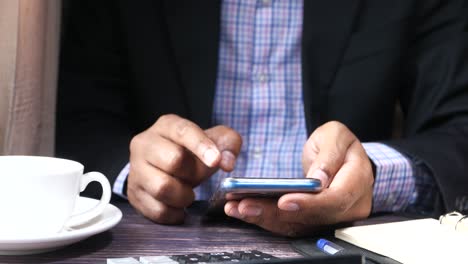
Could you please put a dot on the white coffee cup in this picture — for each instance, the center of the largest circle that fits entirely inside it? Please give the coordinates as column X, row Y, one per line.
column 38, row 194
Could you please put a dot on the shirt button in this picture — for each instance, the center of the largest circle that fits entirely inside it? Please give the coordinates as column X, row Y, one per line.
column 257, row 153
column 262, row 77
column 391, row 200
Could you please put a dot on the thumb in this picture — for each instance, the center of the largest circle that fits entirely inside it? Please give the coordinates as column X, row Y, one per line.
column 331, row 143
column 328, row 162
column 229, row 143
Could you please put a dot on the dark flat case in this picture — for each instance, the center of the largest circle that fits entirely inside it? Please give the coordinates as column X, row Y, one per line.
column 308, row 248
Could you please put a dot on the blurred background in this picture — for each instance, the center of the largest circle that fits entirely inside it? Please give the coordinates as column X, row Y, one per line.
column 29, row 45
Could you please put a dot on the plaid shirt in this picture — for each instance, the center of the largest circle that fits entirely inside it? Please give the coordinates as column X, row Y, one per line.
column 259, row 94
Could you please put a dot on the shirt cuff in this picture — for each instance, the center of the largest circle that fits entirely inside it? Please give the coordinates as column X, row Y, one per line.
column 119, row 184
column 394, row 185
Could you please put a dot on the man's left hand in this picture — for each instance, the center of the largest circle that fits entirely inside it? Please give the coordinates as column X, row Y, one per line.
column 334, row 155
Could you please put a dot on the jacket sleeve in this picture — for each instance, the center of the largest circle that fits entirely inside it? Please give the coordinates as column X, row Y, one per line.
column 435, row 100
column 93, row 125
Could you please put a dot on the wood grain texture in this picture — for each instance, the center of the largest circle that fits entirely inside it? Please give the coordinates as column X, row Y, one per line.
column 136, row 236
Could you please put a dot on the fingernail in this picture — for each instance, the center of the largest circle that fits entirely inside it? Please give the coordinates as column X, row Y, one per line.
column 321, row 175
column 252, row 211
column 290, row 207
column 228, row 160
column 210, row 156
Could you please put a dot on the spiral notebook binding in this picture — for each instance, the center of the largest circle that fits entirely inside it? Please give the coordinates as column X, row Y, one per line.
column 455, row 219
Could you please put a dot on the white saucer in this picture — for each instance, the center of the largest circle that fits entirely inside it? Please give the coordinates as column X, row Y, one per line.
column 24, row 246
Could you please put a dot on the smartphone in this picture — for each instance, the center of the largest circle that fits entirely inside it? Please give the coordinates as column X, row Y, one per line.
column 240, row 188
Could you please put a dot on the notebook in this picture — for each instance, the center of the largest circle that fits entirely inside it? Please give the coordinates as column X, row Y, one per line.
column 415, row 241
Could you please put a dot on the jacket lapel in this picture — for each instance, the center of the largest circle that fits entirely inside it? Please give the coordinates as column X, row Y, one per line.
column 194, row 32
column 194, row 28
column 326, row 30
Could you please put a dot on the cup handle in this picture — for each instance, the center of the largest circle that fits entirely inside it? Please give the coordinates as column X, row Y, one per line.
column 81, row 218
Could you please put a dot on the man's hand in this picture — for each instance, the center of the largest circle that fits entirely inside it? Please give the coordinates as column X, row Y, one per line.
column 169, row 159
column 334, row 155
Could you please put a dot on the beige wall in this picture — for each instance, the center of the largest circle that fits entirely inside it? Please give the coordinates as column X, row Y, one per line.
column 29, row 40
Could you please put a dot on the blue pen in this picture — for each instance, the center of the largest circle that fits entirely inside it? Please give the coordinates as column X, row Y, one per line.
column 328, row 247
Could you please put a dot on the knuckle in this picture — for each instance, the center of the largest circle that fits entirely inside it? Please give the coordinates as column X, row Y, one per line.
column 337, row 125
column 162, row 190
column 131, row 195
column 174, row 159
column 165, row 119
column 182, row 127
column 334, row 123
column 136, row 143
column 189, row 199
column 234, row 136
column 331, row 125
column 156, row 214
column 131, row 187
column 132, row 182
column 341, row 130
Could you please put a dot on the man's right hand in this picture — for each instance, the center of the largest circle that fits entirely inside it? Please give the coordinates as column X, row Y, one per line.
column 169, row 159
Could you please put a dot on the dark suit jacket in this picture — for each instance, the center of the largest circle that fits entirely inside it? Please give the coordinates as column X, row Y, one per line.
column 125, row 63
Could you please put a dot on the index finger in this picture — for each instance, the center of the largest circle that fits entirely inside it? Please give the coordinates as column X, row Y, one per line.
column 190, row 136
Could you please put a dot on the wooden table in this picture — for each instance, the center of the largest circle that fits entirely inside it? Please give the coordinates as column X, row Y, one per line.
column 136, row 236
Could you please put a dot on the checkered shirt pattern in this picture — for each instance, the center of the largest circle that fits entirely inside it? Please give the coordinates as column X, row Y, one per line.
column 259, row 94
